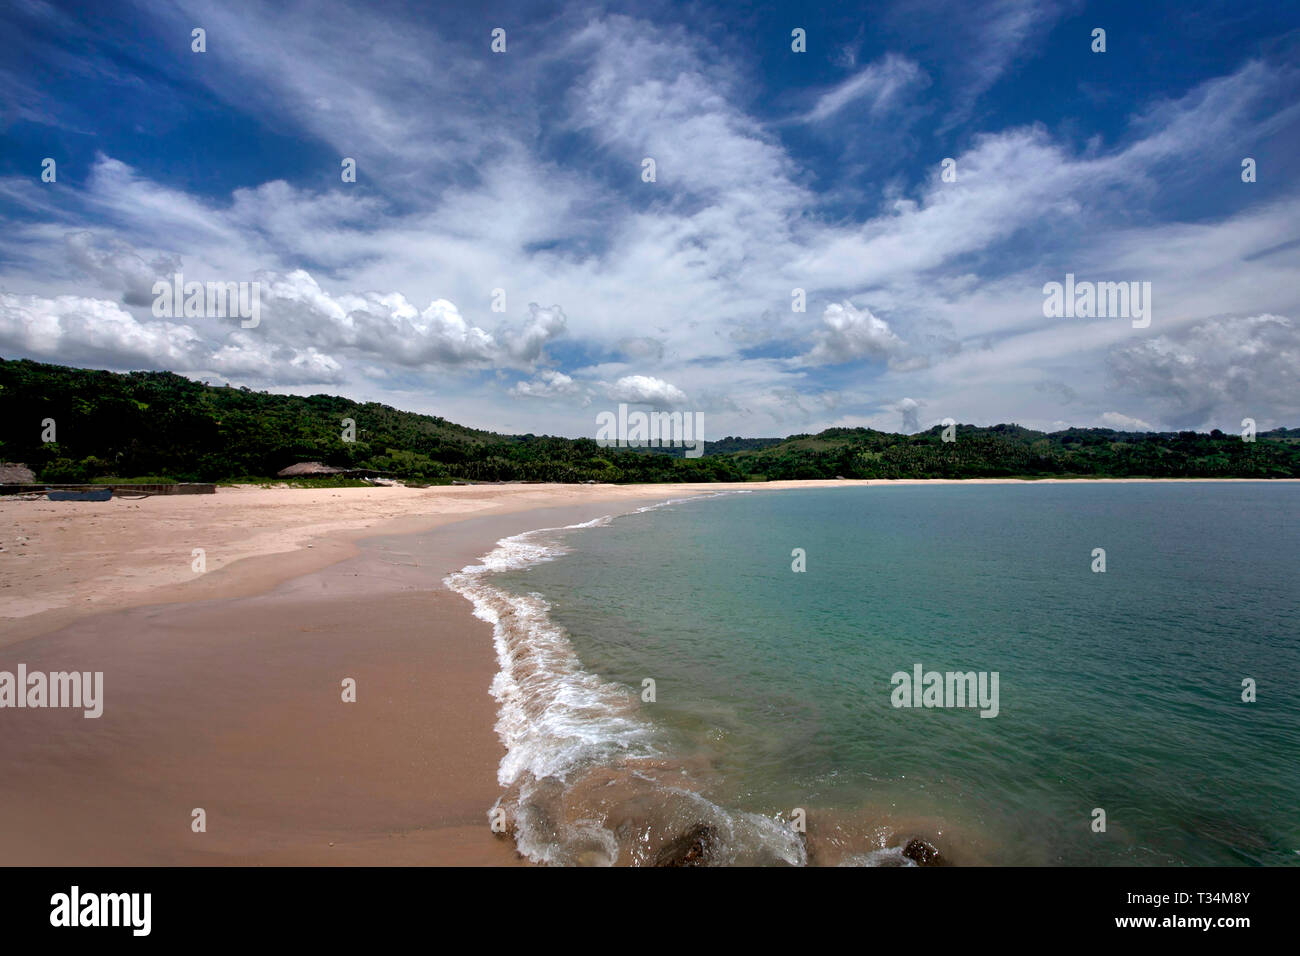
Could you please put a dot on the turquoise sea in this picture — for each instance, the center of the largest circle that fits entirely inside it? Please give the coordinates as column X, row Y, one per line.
column 772, row 696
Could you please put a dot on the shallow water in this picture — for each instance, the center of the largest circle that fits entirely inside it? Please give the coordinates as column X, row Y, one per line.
column 1118, row 690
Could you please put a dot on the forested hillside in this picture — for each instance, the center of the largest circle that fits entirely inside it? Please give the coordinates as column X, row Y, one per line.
column 165, row 426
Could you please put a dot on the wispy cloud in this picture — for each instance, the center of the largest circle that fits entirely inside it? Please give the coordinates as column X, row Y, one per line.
column 877, row 88
column 521, row 173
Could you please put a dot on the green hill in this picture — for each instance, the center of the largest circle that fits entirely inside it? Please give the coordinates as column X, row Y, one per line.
column 163, row 425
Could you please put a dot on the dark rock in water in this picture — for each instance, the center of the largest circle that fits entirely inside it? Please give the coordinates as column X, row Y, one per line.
column 692, row 848
column 923, row 853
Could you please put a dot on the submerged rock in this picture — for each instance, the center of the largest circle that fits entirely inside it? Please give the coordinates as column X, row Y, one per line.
column 923, row 853
column 692, row 848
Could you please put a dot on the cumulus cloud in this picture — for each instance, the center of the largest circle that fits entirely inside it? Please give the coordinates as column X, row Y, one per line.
column 386, row 326
column 541, row 327
column 245, row 357
column 550, row 384
column 306, row 333
column 910, row 409
column 646, row 390
column 849, row 334
column 73, row 328
column 1216, row 372
column 381, row 325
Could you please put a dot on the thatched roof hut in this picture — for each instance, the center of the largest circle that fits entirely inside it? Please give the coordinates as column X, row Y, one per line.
column 309, row 469
column 16, row 473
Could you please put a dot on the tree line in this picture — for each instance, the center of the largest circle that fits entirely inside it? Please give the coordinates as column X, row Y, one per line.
column 171, row 428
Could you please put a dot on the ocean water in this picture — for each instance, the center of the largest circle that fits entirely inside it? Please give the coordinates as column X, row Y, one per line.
column 773, row 692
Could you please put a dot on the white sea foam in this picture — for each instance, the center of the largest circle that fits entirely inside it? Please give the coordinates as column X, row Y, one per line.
column 554, row 715
column 558, row 720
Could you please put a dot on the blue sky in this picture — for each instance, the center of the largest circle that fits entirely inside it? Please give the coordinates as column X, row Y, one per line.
column 775, row 170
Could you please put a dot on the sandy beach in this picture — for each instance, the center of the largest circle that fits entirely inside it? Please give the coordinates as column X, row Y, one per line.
column 222, row 689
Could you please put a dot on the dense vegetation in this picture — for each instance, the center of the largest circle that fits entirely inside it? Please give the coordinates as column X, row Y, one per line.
column 161, row 424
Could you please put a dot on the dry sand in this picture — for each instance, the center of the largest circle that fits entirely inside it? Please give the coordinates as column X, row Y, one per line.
column 61, row 560
column 223, row 689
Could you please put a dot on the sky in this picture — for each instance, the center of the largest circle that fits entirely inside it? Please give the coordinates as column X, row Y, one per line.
column 915, row 177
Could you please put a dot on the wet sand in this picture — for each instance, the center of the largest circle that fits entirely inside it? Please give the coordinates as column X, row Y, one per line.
column 234, row 705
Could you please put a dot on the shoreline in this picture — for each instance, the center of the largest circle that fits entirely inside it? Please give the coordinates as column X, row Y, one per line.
column 233, row 705
column 257, row 538
column 223, row 692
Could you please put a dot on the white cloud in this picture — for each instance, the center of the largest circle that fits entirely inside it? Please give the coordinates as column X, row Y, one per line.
column 910, row 409
column 1217, row 372
column 993, row 35
column 295, row 309
column 1122, row 422
column 849, row 334
column 71, row 326
column 881, row 85
column 542, row 326
column 662, row 280
column 96, row 331
column 550, row 384
column 646, row 390
column 119, row 266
